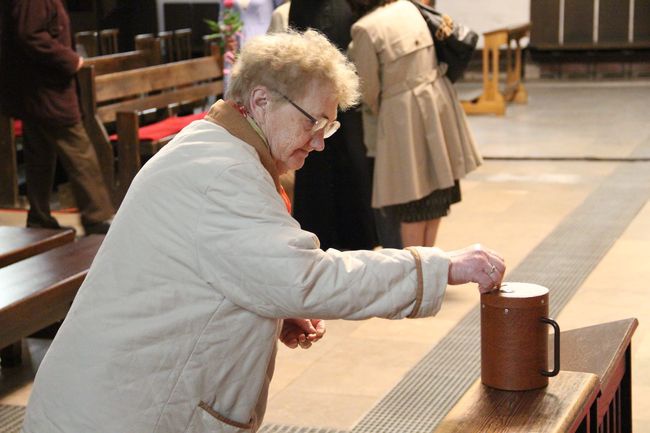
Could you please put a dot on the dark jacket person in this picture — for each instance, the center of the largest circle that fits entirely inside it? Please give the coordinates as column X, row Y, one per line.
column 37, row 84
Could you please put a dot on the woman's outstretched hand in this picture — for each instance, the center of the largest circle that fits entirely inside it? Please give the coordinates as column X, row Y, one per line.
column 301, row 332
column 476, row 264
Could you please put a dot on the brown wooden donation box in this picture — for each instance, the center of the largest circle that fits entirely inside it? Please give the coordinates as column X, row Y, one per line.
column 591, row 394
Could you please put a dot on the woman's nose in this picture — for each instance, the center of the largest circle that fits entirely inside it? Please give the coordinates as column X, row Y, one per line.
column 318, row 141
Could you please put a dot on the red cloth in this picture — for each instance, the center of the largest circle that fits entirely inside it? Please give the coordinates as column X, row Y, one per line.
column 18, row 128
column 164, row 128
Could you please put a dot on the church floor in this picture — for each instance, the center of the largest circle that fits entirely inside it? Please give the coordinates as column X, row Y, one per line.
column 543, row 160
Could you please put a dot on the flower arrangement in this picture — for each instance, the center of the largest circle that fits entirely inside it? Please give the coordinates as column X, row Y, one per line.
column 228, row 28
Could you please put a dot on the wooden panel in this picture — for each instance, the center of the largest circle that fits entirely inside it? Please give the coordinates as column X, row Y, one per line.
column 545, row 17
column 38, row 291
column 579, row 22
column 560, row 408
column 596, row 349
column 18, row 243
column 8, row 165
column 642, row 21
column 145, row 80
column 603, row 350
column 613, row 22
column 108, row 113
column 111, row 63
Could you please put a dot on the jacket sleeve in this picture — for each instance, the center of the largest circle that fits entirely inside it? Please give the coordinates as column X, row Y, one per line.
column 253, row 253
column 38, row 27
column 363, row 55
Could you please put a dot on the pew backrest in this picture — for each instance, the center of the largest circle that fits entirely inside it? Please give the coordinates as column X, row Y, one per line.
column 118, row 98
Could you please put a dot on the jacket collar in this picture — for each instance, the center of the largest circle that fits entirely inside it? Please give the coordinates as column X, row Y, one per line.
column 228, row 116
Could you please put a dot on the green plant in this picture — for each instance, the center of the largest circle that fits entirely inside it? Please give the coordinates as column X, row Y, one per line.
column 227, row 27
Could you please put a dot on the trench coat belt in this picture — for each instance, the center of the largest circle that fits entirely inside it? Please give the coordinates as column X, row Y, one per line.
column 410, row 84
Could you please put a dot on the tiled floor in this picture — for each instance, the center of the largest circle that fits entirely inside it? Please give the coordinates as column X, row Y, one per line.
column 508, row 205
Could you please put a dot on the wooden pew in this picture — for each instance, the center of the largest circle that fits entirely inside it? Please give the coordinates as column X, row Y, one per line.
column 606, row 351
column 183, row 44
column 38, row 291
column 18, row 243
column 567, row 405
column 592, row 393
column 87, row 43
column 492, row 100
column 119, row 98
column 8, row 165
column 146, row 53
column 108, row 41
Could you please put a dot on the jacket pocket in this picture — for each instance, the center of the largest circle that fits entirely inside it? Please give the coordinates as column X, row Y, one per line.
column 207, row 420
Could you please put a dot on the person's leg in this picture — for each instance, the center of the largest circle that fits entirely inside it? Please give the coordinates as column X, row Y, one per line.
column 388, row 228
column 79, row 159
column 40, row 163
column 431, row 231
column 387, row 221
column 413, row 233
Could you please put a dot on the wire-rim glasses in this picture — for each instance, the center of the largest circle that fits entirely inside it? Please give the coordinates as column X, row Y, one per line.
column 328, row 127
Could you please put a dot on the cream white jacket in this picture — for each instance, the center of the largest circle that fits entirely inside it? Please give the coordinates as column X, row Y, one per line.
column 175, row 328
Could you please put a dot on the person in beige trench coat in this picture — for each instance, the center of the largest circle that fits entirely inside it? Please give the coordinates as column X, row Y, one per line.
column 414, row 125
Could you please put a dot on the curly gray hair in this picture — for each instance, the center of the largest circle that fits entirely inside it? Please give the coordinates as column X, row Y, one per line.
column 287, row 62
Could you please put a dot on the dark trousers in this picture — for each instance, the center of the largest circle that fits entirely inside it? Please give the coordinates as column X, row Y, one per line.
column 42, row 145
column 387, row 222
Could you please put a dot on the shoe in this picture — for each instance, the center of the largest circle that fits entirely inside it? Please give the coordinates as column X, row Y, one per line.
column 100, row 228
column 49, row 223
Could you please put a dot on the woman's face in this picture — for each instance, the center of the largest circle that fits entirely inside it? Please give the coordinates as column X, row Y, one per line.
column 288, row 131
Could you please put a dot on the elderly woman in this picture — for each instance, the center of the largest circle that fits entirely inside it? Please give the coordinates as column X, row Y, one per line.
column 204, row 269
column 413, row 121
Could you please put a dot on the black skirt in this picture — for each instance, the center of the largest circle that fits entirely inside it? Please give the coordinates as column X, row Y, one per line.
column 433, row 206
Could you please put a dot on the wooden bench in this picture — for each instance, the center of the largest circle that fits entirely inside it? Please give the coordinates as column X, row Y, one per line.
column 592, row 393
column 38, row 291
column 567, row 405
column 8, row 165
column 606, row 351
column 86, row 42
column 108, row 41
column 119, row 98
column 146, row 53
column 492, row 100
column 18, row 243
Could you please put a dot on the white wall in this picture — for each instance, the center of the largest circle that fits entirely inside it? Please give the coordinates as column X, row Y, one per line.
column 486, row 15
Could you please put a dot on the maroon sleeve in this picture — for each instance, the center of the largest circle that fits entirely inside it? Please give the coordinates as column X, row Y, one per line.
column 43, row 30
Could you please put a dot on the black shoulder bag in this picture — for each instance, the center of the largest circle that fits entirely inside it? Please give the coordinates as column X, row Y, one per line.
column 454, row 42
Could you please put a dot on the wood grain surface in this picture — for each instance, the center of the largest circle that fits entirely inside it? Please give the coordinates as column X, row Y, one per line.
column 559, row 408
column 18, row 243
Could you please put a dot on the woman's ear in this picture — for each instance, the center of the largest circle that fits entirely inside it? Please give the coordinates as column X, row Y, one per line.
column 260, row 99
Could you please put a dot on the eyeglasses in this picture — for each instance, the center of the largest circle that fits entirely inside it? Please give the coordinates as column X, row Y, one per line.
column 328, row 127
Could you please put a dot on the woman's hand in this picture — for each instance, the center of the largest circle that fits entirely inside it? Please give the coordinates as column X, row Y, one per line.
column 476, row 264
column 301, row 332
